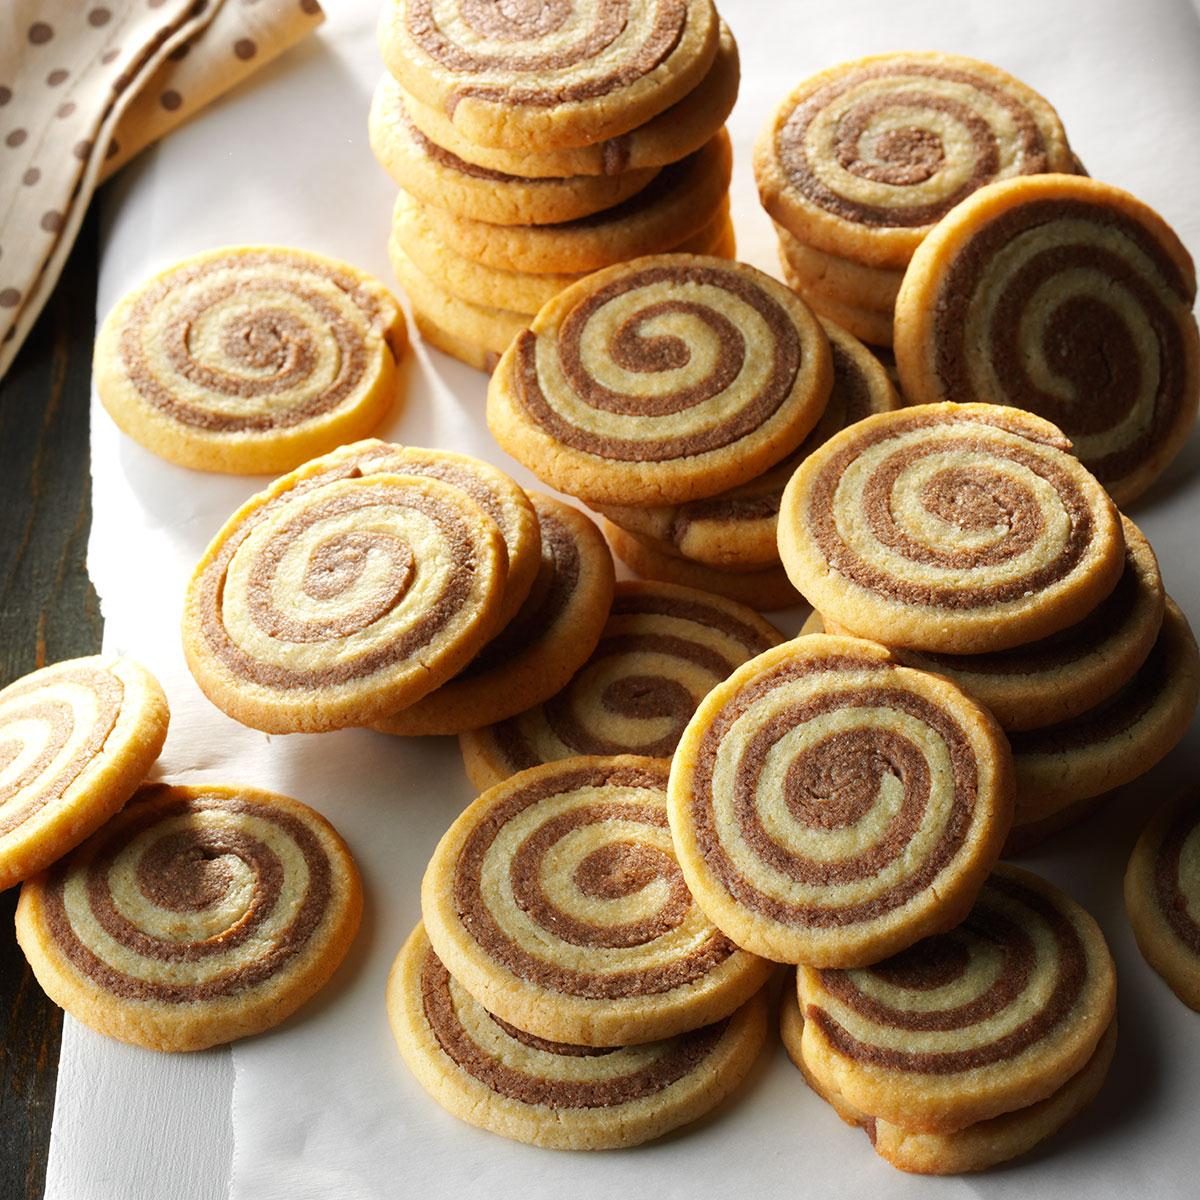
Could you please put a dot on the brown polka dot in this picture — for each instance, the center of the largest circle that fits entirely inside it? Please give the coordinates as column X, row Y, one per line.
column 98, row 17
column 16, row 137
column 52, row 221
column 82, row 149
column 120, row 83
column 114, row 148
column 57, row 76
column 31, row 177
column 65, row 110
column 5, row 94
column 170, row 100
column 40, row 33
column 10, row 298
column 180, row 52
column 245, row 48
column 110, row 55
column 310, row 6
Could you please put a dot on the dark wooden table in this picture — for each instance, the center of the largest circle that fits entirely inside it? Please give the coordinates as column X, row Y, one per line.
column 48, row 611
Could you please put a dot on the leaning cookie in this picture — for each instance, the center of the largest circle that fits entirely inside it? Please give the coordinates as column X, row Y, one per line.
column 491, row 1074
column 250, row 359
column 556, row 901
column 1162, row 895
column 76, row 739
column 978, row 1147
column 537, row 652
column 830, row 806
column 197, row 915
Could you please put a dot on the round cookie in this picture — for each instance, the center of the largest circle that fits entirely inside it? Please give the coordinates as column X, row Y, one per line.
column 197, row 915
column 664, row 379
column 534, row 77
column 537, row 652
column 839, row 279
column 1162, row 895
column 680, row 201
column 962, row 528
column 766, row 589
column 556, row 901
column 490, row 1074
column 1067, row 297
column 874, row 328
column 663, row 648
column 863, row 159
column 439, row 177
column 76, row 739
column 977, row 1147
column 337, row 596
column 250, row 359
column 665, row 138
column 1062, row 676
column 739, row 527
column 1120, row 738
column 830, row 806
column 990, row 1017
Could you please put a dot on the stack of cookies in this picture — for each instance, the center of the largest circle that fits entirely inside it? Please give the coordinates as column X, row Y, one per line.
column 564, row 988
column 676, row 394
column 532, row 147
column 969, row 539
column 861, row 160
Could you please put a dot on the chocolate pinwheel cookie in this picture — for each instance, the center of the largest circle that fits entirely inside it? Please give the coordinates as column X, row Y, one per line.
column 76, row 739
column 989, row 1018
column 660, row 380
column 197, row 915
column 1067, row 297
column 663, row 648
column 250, row 359
column 493, row 1075
column 555, row 900
column 957, row 528
column 1162, row 895
column 830, row 806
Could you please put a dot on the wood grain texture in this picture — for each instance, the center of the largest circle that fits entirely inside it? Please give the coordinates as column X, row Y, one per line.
column 48, row 611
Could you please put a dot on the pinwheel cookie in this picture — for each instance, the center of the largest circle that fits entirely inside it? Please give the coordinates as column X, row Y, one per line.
column 195, row 916
column 556, row 901
column 495, row 1076
column 250, row 359
column 663, row 648
column 340, row 594
column 76, row 739
column 1162, row 895
column 661, row 380
column 962, row 528
column 831, row 806
column 538, row 651
column 975, row 1148
column 993, row 1016
column 539, row 79
column 1069, row 298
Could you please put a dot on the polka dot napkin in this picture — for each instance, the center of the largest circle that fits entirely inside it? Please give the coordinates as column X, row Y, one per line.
column 83, row 88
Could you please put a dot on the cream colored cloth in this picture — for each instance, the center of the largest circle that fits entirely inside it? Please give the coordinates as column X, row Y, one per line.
column 83, row 88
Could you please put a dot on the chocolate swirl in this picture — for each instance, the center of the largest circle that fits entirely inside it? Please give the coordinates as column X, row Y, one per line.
column 196, row 896
column 1175, row 877
column 341, row 587
column 663, row 649
column 1072, row 302
column 825, row 792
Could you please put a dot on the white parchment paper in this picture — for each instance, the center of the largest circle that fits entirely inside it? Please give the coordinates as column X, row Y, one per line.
column 323, row 1107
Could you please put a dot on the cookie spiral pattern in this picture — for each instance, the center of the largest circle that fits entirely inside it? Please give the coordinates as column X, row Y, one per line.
column 831, row 807
column 556, row 901
column 76, row 739
column 574, row 71
column 862, row 159
column 962, row 528
column 1069, row 298
column 663, row 649
column 665, row 376
column 992, row 1016
column 197, row 915
column 498, row 1077
column 250, row 359
column 336, row 596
